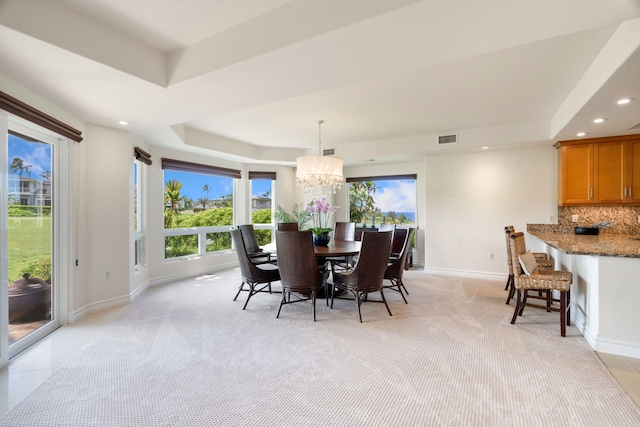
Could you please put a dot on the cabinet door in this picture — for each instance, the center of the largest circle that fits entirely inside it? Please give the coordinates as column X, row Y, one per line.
column 633, row 172
column 577, row 174
column 609, row 169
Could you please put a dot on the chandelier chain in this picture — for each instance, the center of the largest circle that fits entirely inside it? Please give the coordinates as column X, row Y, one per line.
column 320, row 122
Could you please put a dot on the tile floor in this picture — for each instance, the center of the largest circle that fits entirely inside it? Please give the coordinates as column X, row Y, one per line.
column 31, row 368
column 23, row 374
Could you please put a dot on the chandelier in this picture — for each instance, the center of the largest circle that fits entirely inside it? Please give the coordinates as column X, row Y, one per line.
column 319, row 171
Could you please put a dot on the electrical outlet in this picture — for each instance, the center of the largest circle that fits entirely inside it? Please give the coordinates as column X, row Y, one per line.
column 490, row 255
column 574, row 218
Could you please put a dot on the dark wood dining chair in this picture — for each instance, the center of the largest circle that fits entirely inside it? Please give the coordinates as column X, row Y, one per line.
column 343, row 231
column 300, row 274
column 256, row 277
column 367, row 275
column 255, row 252
column 395, row 269
column 288, row 226
column 387, row 227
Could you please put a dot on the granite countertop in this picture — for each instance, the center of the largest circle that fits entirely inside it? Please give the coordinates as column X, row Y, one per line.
column 622, row 245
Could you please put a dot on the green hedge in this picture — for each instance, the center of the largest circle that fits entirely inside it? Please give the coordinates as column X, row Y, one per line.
column 176, row 246
column 25, row 211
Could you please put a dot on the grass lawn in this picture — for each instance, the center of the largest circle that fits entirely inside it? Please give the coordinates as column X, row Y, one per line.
column 29, row 239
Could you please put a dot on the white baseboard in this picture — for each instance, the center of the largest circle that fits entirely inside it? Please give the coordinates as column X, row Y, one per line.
column 466, row 273
column 97, row 306
column 107, row 304
column 619, row 348
column 192, row 273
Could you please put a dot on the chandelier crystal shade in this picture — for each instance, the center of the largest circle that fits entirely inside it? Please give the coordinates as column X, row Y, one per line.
column 319, row 171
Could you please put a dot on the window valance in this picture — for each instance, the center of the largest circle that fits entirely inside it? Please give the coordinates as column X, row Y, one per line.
column 262, row 175
column 182, row 166
column 27, row 112
column 142, row 155
column 383, row 178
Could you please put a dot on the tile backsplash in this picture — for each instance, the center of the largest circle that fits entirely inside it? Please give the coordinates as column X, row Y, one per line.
column 624, row 219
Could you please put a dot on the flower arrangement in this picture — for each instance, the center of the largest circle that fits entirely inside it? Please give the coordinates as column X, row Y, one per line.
column 320, row 211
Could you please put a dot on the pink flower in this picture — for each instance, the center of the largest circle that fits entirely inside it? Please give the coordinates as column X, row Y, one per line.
column 320, row 211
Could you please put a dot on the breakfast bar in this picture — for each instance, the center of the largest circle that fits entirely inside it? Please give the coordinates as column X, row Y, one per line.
column 606, row 288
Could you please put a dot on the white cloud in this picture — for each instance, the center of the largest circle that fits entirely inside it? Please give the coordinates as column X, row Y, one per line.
column 398, row 197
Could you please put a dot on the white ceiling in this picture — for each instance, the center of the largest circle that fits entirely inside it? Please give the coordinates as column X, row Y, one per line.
column 248, row 80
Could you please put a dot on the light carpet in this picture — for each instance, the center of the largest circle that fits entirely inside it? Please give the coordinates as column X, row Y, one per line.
column 185, row 354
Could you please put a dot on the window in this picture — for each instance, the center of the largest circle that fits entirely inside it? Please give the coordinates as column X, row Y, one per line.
column 138, row 217
column 198, row 208
column 141, row 158
column 261, row 205
column 382, row 199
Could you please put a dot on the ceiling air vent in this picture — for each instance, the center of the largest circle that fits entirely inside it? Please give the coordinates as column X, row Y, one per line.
column 451, row 138
column 635, row 127
column 329, row 152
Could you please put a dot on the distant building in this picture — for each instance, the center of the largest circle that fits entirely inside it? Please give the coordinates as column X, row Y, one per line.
column 29, row 191
column 258, row 203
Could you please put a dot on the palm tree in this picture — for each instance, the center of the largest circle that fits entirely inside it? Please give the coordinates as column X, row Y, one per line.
column 172, row 194
column 17, row 165
column 203, row 201
column 46, row 175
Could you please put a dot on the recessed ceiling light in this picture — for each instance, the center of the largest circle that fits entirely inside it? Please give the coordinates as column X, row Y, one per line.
column 599, row 120
column 624, row 101
column 581, row 134
column 123, row 123
column 485, row 148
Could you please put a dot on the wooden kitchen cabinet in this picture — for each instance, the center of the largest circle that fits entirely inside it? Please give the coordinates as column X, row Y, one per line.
column 599, row 171
column 633, row 172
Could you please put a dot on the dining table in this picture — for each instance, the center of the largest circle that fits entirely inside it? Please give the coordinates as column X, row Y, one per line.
column 335, row 248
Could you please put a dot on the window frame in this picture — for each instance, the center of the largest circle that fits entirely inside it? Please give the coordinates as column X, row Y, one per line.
column 201, row 232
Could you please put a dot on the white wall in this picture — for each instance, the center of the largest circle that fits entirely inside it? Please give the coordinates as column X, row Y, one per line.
column 105, row 163
column 470, row 198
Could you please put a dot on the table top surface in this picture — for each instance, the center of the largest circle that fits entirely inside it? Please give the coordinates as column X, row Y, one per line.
column 338, row 248
column 335, row 248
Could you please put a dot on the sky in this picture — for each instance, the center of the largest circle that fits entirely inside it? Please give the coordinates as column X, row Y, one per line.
column 397, row 196
column 219, row 186
column 35, row 154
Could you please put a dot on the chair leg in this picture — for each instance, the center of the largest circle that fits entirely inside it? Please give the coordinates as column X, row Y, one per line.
column 313, row 302
column 252, row 288
column 525, row 294
column 563, row 313
column 400, row 286
column 239, row 290
column 282, row 300
column 358, row 302
column 506, row 287
column 332, row 294
column 569, row 308
column 517, row 309
column 511, row 287
column 403, row 287
column 385, row 301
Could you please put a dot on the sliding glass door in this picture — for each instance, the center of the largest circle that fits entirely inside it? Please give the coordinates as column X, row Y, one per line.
column 31, row 245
